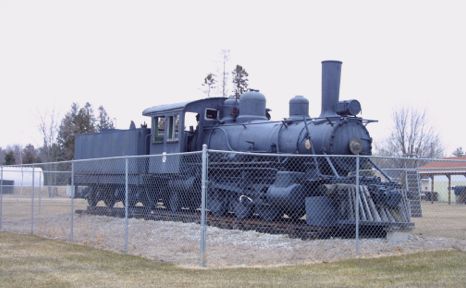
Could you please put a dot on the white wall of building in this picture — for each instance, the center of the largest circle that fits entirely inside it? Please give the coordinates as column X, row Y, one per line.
column 24, row 176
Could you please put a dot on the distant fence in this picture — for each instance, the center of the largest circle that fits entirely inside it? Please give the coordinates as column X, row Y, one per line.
column 223, row 208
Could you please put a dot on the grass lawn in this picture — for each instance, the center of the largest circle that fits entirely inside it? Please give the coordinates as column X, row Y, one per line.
column 29, row 261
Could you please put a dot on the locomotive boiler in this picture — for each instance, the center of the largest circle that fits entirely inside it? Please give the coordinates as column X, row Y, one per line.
column 294, row 168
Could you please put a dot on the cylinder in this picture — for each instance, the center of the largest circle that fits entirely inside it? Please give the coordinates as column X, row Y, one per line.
column 331, row 72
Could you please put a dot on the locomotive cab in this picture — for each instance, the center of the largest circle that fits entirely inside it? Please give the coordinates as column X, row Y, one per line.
column 178, row 128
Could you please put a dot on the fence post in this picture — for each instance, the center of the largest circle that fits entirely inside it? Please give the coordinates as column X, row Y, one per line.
column 22, row 179
column 72, row 194
column 203, row 206
column 40, row 191
column 356, row 207
column 32, row 199
column 1, row 198
column 126, row 206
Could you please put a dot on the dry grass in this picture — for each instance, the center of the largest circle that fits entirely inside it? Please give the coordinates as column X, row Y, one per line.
column 442, row 220
column 28, row 261
column 18, row 208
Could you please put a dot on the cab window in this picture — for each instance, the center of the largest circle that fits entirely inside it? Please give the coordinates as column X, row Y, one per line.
column 158, row 129
column 191, row 121
column 211, row 114
column 173, row 128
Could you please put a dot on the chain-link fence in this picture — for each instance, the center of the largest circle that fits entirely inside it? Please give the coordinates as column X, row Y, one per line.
column 223, row 208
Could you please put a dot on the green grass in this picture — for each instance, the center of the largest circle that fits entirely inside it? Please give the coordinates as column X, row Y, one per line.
column 29, row 261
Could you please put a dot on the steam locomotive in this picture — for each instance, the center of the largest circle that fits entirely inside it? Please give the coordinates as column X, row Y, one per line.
column 276, row 184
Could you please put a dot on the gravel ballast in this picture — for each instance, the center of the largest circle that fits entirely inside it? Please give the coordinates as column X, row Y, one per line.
column 178, row 243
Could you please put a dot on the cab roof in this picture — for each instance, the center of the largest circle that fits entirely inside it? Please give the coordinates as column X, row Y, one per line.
column 182, row 106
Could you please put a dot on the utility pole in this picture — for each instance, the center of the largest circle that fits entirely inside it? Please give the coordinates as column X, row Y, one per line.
column 226, row 56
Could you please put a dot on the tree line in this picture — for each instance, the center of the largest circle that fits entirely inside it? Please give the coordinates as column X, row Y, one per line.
column 58, row 136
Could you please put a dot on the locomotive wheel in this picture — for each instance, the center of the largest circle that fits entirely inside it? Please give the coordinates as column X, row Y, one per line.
column 146, row 201
column 174, row 203
column 268, row 212
column 218, row 207
column 131, row 202
column 120, row 196
column 91, row 197
column 110, row 201
column 92, row 200
column 296, row 215
column 194, row 203
column 243, row 209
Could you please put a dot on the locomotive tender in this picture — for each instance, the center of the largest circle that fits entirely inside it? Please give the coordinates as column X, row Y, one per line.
column 271, row 186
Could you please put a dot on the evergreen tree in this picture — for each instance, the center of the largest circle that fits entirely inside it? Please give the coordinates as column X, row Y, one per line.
column 76, row 121
column 209, row 83
column 104, row 121
column 458, row 152
column 240, row 80
column 30, row 155
column 10, row 158
column 79, row 120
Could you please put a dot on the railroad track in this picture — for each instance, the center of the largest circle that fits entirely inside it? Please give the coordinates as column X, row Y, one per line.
column 293, row 228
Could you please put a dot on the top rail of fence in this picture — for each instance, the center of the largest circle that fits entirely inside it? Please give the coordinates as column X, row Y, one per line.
column 373, row 157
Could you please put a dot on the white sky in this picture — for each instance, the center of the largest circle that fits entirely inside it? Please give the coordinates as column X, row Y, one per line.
column 130, row 55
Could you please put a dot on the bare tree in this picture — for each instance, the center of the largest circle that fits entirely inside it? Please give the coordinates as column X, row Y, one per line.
column 48, row 127
column 411, row 137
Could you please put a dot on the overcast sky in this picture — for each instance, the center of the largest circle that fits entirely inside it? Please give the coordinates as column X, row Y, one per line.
column 130, row 55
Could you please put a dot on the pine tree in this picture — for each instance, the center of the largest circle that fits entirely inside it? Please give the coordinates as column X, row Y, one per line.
column 104, row 121
column 76, row 121
column 209, row 83
column 240, row 80
column 458, row 152
column 30, row 155
column 79, row 120
column 10, row 158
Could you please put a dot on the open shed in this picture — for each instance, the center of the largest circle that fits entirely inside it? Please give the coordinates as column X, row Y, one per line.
column 448, row 167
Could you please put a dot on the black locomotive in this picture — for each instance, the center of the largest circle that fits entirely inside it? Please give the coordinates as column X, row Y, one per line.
column 271, row 186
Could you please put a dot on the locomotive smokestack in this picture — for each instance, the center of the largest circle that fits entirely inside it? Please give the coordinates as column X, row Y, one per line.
column 331, row 71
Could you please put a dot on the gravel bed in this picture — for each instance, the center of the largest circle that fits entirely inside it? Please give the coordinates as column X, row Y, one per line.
column 178, row 243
